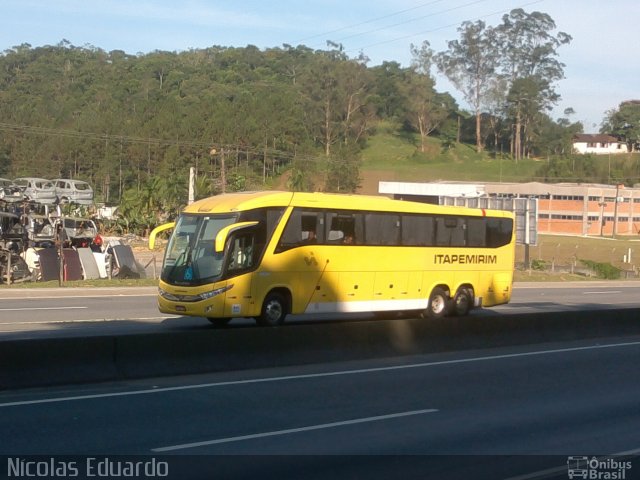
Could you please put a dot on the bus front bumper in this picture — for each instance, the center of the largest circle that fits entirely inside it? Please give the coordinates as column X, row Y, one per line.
column 203, row 304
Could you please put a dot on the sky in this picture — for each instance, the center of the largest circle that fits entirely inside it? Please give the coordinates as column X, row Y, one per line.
column 601, row 62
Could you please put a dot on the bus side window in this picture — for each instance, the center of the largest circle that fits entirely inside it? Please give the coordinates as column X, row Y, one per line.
column 450, row 231
column 499, row 231
column 345, row 228
column 476, row 232
column 292, row 234
column 382, row 228
column 418, row 230
column 443, row 234
column 304, row 227
column 311, row 224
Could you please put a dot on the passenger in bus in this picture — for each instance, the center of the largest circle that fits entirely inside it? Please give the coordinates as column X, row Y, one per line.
column 311, row 238
column 348, row 239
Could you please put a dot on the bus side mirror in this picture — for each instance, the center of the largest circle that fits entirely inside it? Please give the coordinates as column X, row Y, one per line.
column 156, row 231
column 221, row 238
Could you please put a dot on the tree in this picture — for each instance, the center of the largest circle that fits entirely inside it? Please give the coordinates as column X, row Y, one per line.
column 336, row 93
column 425, row 110
column 523, row 104
column 389, row 100
column 529, row 62
column 470, row 65
column 343, row 170
column 494, row 104
column 625, row 123
column 555, row 138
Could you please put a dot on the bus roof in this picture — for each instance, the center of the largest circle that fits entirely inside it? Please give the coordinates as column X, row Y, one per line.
column 235, row 202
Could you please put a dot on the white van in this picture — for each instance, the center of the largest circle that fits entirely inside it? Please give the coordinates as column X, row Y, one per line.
column 39, row 190
column 73, row 191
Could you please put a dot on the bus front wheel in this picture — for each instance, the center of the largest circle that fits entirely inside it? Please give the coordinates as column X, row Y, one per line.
column 274, row 309
column 438, row 304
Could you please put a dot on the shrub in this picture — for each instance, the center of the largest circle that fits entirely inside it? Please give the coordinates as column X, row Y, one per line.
column 602, row 270
column 537, row 264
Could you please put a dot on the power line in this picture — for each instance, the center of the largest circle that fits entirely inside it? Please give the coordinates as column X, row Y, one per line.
column 400, row 12
column 404, row 37
column 412, row 20
column 440, row 28
column 206, row 146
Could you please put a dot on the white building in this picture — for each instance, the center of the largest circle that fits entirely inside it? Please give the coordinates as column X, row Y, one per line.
column 598, row 144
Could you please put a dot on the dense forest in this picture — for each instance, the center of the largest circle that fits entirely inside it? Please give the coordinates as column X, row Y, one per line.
column 132, row 125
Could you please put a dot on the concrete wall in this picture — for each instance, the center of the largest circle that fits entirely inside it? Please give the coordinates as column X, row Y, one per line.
column 42, row 362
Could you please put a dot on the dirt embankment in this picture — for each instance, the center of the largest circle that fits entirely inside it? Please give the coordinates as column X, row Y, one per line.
column 371, row 179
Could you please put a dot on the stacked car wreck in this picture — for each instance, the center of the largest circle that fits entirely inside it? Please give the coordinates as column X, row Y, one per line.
column 39, row 243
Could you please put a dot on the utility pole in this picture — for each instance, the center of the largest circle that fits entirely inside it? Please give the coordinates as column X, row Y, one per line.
column 615, row 211
column 192, row 181
column 223, row 173
column 602, row 204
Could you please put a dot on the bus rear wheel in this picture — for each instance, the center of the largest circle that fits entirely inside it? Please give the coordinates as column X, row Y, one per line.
column 274, row 310
column 438, row 304
column 462, row 302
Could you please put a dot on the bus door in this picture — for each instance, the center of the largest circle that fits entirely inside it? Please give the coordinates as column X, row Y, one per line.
column 244, row 253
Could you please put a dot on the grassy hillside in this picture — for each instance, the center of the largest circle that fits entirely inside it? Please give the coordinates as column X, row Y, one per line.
column 390, row 156
column 394, row 156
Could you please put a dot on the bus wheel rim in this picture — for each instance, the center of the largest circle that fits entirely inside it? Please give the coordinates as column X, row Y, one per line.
column 437, row 305
column 274, row 311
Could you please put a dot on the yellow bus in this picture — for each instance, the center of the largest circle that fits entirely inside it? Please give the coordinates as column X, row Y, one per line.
column 269, row 254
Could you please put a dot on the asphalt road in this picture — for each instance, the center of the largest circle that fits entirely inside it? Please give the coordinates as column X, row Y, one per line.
column 539, row 403
column 29, row 313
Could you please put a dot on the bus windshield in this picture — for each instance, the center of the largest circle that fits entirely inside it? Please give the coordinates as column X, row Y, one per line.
column 190, row 257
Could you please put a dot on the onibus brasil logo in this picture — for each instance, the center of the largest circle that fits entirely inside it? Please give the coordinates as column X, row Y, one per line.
column 597, row 468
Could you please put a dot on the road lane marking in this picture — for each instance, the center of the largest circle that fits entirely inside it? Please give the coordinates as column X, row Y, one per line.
column 89, row 320
column 91, row 295
column 292, row 430
column 320, row 375
column 602, row 293
column 39, row 308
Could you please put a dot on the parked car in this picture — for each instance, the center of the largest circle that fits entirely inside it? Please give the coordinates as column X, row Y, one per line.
column 13, row 238
column 78, row 232
column 13, row 235
column 40, row 230
column 39, row 190
column 9, row 191
column 13, row 266
column 76, row 191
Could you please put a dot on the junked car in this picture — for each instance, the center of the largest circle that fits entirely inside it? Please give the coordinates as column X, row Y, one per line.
column 75, row 191
column 40, row 230
column 79, row 232
column 39, row 190
column 9, row 191
column 13, row 238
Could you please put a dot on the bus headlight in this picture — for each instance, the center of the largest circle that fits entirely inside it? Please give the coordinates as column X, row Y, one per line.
column 213, row 293
column 193, row 298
